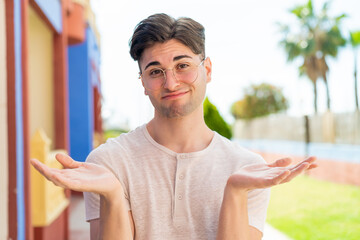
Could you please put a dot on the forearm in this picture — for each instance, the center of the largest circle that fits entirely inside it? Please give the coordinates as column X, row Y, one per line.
column 233, row 220
column 114, row 218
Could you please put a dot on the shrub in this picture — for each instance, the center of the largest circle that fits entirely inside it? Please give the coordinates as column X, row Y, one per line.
column 214, row 120
column 259, row 100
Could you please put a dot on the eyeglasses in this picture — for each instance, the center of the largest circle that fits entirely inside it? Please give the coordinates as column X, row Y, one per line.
column 155, row 78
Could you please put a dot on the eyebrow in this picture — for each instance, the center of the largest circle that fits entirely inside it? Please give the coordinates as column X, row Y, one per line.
column 156, row 63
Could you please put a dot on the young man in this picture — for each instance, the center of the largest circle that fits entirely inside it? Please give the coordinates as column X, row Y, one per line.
column 173, row 178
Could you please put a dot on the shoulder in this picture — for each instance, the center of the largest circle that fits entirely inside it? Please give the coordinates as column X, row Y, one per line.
column 117, row 147
column 234, row 149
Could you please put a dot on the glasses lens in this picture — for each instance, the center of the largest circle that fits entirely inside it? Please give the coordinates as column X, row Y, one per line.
column 186, row 72
column 154, row 78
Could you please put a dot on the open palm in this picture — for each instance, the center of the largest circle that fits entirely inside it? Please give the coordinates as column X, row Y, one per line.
column 79, row 176
column 267, row 175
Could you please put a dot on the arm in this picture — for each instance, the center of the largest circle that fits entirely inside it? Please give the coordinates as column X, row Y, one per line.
column 95, row 227
column 233, row 220
column 114, row 219
column 88, row 177
column 234, row 216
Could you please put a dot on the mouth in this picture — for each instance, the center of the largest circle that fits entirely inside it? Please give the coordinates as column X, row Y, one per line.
column 174, row 95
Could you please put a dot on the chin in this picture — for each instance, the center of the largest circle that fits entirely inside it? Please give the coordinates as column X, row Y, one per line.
column 177, row 111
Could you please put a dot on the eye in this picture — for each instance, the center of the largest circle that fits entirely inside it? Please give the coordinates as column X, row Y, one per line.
column 156, row 72
column 182, row 66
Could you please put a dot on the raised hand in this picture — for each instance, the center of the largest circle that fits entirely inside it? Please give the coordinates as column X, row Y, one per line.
column 267, row 175
column 79, row 176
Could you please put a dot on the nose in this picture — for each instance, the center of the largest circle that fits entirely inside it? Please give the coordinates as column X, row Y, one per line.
column 171, row 82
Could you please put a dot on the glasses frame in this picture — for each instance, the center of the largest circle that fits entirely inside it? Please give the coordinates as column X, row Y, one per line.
column 172, row 70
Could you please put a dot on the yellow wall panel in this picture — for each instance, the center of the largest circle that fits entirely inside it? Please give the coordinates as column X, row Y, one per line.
column 47, row 200
column 41, row 75
column 3, row 129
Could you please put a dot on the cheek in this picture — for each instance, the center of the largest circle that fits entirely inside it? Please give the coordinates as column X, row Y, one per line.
column 153, row 101
column 153, row 98
column 200, row 88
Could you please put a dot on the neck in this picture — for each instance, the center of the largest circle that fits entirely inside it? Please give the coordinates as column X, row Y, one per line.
column 182, row 134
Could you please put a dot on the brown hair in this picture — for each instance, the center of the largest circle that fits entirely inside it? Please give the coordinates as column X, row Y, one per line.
column 161, row 28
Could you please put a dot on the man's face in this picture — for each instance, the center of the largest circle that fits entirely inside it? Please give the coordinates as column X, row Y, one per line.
column 176, row 97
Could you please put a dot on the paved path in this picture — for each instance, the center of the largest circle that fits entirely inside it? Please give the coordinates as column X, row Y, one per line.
column 79, row 229
column 271, row 233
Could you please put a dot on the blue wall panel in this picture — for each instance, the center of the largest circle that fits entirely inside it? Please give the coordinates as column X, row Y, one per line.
column 90, row 43
column 80, row 95
column 94, row 55
column 19, row 123
column 82, row 79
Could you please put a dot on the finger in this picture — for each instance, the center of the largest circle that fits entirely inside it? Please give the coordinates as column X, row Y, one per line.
column 39, row 166
column 43, row 169
column 314, row 165
column 56, row 176
column 67, row 161
column 296, row 171
column 309, row 160
column 280, row 162
column 280, row 178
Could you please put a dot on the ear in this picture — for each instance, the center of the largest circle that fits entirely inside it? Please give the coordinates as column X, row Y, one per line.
column 208, row 69
column 145, row 92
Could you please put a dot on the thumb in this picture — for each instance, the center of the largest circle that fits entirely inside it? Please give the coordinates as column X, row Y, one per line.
column 67, row 161
column 283, row 162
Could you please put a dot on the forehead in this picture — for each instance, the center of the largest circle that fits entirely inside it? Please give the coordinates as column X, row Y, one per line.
column 165, row 52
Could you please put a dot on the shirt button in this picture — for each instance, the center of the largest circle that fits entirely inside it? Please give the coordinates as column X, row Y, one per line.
column 179, row 197
column 181, row 177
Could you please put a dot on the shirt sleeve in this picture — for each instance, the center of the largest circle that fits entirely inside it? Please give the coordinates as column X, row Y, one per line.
column 92, row 200
column 258, row 201
column 92, row 206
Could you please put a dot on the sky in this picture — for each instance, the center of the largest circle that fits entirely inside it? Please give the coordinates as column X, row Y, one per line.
column 242, row 41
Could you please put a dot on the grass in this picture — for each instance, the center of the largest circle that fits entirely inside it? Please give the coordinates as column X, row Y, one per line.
column 310, row 209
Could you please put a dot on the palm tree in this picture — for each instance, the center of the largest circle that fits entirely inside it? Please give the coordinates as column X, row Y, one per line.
column 317, row 36
column 355, row 43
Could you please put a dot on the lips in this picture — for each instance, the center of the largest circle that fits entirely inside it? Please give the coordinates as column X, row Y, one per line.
column 174, row 95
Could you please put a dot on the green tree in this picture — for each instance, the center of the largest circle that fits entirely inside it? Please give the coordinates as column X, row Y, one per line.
column 214, row 120
column 259, row 100
column 355, row 43
column 316, row 36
